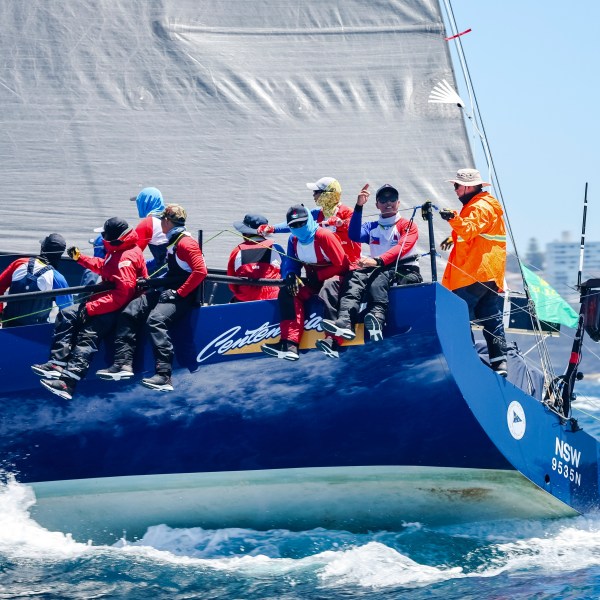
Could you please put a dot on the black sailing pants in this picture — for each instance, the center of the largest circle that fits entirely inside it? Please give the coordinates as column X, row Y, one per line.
column 74, row 344
column 157, row 316
column 370, row 285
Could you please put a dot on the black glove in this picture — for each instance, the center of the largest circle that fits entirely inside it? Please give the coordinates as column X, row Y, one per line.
column 142, row 284
column 447, row 243
column 447, row 214
column 74, row 252
column 82, row 314
column 168, row 296
column 292, row 284
column 313, row 280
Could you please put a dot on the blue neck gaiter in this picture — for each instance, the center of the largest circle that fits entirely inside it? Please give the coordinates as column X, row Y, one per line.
column 306, row 233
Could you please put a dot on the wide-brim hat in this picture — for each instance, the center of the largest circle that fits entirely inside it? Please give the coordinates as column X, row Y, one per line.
column 468, row 177
column 250, row 224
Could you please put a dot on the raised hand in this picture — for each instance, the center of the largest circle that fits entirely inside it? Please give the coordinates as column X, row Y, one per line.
column 363, row 195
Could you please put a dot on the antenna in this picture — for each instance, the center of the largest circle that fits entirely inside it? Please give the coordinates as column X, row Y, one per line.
column 582, row 247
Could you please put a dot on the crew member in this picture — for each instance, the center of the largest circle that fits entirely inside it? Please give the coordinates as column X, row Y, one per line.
column 79, row 328
column 30, row 275
column 160, row 308
column 320, row 252
column 391, row 240
column 331, row 214
column 150, row 205
column 477, row 261
column 255, row 258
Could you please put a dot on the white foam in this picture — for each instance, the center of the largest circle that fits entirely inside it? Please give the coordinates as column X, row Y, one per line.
column 375, row 565
column 350, row 560
column 568, row 546
column 21, row 536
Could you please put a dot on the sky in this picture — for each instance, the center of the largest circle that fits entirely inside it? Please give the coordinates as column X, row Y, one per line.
column 536, row 72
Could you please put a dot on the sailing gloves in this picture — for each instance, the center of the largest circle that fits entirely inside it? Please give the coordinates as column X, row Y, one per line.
column 168, row 296
column 142, row 284
column 447, row 214
column 447, row 243
column 74, row 252
column 292, row 284
column 265, row 230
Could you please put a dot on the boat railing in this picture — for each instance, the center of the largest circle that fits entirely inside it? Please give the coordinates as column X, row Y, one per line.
column 148, row 284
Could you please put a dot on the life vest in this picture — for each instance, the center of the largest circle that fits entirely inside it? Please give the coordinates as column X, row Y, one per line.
column 254, row 261
column 27, row 312
column 174, row 268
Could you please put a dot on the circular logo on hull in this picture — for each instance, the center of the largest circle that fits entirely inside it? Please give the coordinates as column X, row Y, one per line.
column 515, row 417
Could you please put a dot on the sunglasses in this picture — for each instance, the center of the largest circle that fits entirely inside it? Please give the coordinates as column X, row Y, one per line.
column 388, row 200
column 297, row 224
column 457, row 185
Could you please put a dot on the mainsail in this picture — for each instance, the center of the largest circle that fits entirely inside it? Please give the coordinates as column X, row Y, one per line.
column 228, row 107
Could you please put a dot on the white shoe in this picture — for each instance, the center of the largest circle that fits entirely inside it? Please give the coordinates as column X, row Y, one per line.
column 373, row 326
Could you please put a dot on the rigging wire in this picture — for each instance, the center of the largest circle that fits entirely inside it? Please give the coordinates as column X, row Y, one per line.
column 552, row 391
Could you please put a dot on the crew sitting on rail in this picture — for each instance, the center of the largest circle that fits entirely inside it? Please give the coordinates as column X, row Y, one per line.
column 255, row 258
column 38, row 273
column 160, row 308
column 79, row 328
column 320, row 252
column 391, row 238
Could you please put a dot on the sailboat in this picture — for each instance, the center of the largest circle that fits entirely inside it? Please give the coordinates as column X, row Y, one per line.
column 413, row 428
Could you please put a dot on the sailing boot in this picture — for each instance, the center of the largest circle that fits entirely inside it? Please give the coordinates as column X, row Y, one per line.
column 63, row 387
column 283, row 349
column 49, row 370
column 116, row 372
column 329, row 347
column 160, row 381
column 374, row 325
column 341, row 327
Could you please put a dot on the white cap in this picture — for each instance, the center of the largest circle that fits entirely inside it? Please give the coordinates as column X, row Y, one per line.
column 322, row 184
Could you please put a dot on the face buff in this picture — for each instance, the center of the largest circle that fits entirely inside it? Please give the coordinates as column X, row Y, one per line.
column 306, row 233
column 328, row 201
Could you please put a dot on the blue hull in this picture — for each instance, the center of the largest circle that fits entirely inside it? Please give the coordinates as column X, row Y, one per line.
column 420, row 399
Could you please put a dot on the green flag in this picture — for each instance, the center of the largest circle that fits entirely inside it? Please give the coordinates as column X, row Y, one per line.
column 548, row 304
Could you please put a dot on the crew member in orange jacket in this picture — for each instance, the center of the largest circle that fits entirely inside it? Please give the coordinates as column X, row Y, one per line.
column 475, row 269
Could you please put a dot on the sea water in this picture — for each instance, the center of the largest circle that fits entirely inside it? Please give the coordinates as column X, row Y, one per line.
column 501, row 559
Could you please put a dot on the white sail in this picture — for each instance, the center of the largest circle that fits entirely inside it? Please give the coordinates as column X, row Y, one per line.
column 227, row 107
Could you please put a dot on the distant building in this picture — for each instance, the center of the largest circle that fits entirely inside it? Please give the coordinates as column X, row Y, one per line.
column 562, row 265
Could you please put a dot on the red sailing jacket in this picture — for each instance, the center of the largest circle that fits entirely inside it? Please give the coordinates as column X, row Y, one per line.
column 255, row 260
column 343, row 212
column 122, row 265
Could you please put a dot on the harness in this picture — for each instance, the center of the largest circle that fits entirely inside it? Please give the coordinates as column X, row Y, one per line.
column 27, row 312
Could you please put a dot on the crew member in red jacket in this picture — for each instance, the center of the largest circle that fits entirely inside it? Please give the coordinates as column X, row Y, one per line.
column 255, row 258
column 159, row 309
column 79, row 328
column 321, row 254
column 331, row 214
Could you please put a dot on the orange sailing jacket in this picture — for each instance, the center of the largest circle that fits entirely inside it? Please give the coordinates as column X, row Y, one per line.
column 479, row 250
